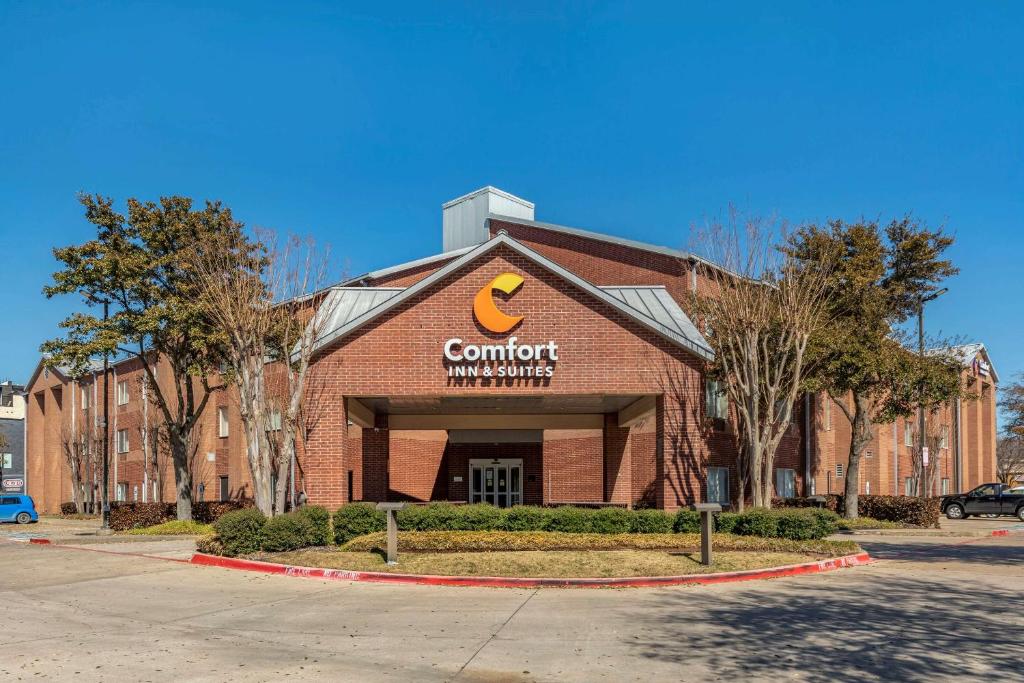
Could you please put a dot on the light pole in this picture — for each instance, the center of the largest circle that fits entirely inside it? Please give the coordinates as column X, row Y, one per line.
column 106, row 416
column 920, row 403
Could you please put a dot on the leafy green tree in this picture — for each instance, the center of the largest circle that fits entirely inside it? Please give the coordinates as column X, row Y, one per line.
column 138, row 263
column 1012, row 405
column 877, row 279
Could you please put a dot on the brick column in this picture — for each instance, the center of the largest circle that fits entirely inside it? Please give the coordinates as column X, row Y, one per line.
column 376, row 443
column 618, row 467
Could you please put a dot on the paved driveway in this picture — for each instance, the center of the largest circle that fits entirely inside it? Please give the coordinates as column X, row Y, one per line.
column 931, row 609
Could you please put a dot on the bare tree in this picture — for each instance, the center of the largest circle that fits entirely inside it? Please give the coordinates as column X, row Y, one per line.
column 1010, row 459
column 299, row 273
column 924, row 475
column 74, row 446
column 761, row 311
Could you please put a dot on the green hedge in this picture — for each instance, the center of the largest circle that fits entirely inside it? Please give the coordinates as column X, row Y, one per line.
column 319, row 518
column 125, row 516
column 241, row 532
column 290, row 531
column 356, row 519
column 911, row 510
column 793, row 524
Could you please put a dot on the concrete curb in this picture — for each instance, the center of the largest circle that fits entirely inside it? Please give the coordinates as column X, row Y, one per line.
column 513, row 582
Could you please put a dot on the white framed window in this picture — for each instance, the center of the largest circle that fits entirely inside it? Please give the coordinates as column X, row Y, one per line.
column 225, row 489
column 275, row 420
column 867, row 488
column 908, row 433
column 718, row 485
column 828, row 413
column 122, row 392
column 122, row 442
column 222, row 422
column 121, row 492
column 908, row 486
column 8, row 461
column 85, row 398
column 716, row 400
column 944, row 437
column 945, row 487
column 785, row 483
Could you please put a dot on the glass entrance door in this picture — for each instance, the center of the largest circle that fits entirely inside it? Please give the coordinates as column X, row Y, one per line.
column 498, row 482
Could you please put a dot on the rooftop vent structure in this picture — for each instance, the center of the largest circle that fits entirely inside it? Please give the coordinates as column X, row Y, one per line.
column 464, row 219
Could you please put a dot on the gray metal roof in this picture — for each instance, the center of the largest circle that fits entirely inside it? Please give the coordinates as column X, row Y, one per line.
column 656, row 303
column 966, row 353
column 357, row 306
column 408, row 265
column 348, row 303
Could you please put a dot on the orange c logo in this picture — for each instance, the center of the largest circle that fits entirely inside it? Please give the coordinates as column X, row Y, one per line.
column 487, row 314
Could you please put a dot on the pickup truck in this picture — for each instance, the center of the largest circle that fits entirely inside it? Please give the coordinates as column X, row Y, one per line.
column 987, row 499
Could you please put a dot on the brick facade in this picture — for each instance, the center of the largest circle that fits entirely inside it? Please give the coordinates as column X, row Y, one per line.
column 659, row 461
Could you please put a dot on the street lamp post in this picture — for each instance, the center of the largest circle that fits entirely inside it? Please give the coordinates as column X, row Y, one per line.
column 106, row 418
column 920, row 405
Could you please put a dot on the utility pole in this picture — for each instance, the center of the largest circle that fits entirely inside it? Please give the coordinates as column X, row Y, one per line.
column 106, row 426
column 920, row 404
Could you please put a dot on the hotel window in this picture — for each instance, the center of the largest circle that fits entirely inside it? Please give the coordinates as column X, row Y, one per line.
column 718, row 485
column 122, row 441
column 785, row 483
column 122, row 392
column 225, row 491
column 85, row 398
column 908, row 486
column 121, row 492
column 222, row 422
column 944, row 437
column 8, row 461
column 908, row 433
column 275, row 420
column 945, row 487
column 716, row 401
column 828, row 413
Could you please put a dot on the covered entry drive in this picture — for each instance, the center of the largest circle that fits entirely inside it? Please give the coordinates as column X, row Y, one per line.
column 507, row 450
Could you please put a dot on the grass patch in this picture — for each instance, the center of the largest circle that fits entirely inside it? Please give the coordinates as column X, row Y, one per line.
column 867, row 523
column 174, row 528
column 514, row 541
column 540, row 563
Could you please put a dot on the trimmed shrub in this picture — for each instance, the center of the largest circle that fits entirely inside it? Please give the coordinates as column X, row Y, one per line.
column 125, row 516
column 911, row 510
column 612, row 521
column 806, row 524
column 757, row 522
column 209, row 544
column 68, row 509
column 687, row 522
column 725, row 522
column 526, row 518
column 651, row 522
column 356, row 519
column 241, row 532
column 174, row 528
column 320, row 532
column 209, row 512
column 571, row 520
column 499, row 541
column 478, row 517
column 289, row 531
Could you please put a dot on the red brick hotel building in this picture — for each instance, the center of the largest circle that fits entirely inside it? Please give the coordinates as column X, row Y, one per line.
column 526, row 363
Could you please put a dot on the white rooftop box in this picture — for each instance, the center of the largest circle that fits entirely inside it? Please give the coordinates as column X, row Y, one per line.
column 464, row 219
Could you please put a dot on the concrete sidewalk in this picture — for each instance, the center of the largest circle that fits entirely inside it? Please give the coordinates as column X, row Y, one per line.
column 923, row 612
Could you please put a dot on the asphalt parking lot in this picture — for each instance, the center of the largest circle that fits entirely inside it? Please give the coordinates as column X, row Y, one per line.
column 930, row 608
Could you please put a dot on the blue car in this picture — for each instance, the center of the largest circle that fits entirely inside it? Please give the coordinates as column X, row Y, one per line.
column 17, row 507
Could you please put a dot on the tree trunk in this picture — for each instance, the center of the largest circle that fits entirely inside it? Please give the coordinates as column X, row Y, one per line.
column 258, row 451
column 182, row 474
column 860, row 437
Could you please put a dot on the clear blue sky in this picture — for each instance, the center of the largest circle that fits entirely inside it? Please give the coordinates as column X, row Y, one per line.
column 355, row 125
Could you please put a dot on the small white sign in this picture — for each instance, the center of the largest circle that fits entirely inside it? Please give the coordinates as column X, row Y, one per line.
column 13, row 483
column 457, row 479
column 924, row 456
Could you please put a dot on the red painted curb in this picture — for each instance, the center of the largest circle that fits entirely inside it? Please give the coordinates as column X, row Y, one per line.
column 513, row 582
column 39, row 541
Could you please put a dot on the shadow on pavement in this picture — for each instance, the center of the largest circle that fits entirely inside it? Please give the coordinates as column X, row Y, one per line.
column 869, row 626
column 982, row 551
